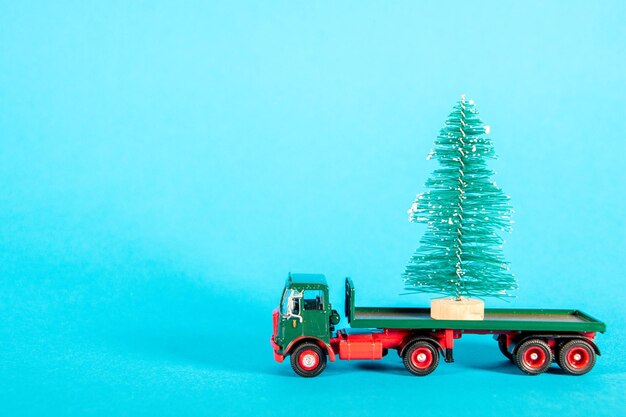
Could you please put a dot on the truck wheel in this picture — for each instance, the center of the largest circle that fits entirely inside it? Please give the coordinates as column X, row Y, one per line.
column 576, row 357
column 421, row 358
column 533, row 356
column 503, row 349
column 308, row 360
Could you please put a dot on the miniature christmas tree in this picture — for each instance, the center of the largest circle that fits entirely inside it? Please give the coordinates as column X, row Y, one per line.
column 461, row 252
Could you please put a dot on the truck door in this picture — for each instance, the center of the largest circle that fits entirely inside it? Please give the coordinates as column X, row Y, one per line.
column 315, row 314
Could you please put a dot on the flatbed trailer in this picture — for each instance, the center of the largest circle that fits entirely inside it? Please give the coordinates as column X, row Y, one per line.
column 530, row 338
column 496, row 319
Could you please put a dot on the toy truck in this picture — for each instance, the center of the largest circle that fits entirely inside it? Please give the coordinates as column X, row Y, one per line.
column 304, row 329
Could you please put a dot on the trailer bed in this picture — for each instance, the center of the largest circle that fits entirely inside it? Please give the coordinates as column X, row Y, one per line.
column 496, row 319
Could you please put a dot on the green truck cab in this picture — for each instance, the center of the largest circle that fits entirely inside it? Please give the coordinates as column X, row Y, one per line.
column 304, row 329
column 304, row 314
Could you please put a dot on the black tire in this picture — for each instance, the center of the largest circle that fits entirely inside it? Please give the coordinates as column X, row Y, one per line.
column 308, row 360
column 421, row 358
column 576, row 357
column 533, row 357
column 503, row 349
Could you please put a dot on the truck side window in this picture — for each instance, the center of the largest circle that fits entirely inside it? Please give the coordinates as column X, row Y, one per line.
column 313, row 300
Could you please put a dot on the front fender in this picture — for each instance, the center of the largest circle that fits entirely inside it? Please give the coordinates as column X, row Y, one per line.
column 327, row 348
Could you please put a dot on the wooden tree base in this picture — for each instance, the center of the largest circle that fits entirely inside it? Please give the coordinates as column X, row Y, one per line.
column 451, row 309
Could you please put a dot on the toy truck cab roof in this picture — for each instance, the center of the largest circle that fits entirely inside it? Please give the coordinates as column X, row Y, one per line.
column 307, row 281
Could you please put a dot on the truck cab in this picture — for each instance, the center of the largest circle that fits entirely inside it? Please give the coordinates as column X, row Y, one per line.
column 304, row 316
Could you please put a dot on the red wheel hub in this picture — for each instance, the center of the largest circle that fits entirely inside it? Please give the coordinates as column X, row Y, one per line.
column 578, row 357
column 534, row 357
column 308, row 359
column 422, row 358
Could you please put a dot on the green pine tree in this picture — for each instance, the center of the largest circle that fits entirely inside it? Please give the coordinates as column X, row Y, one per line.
column 461, row 252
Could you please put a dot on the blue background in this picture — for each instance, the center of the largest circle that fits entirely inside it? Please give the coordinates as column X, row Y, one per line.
column 163, row 166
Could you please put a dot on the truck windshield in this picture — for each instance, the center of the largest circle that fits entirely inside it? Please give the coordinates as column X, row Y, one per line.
column 283, row 301
column 290, row 304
